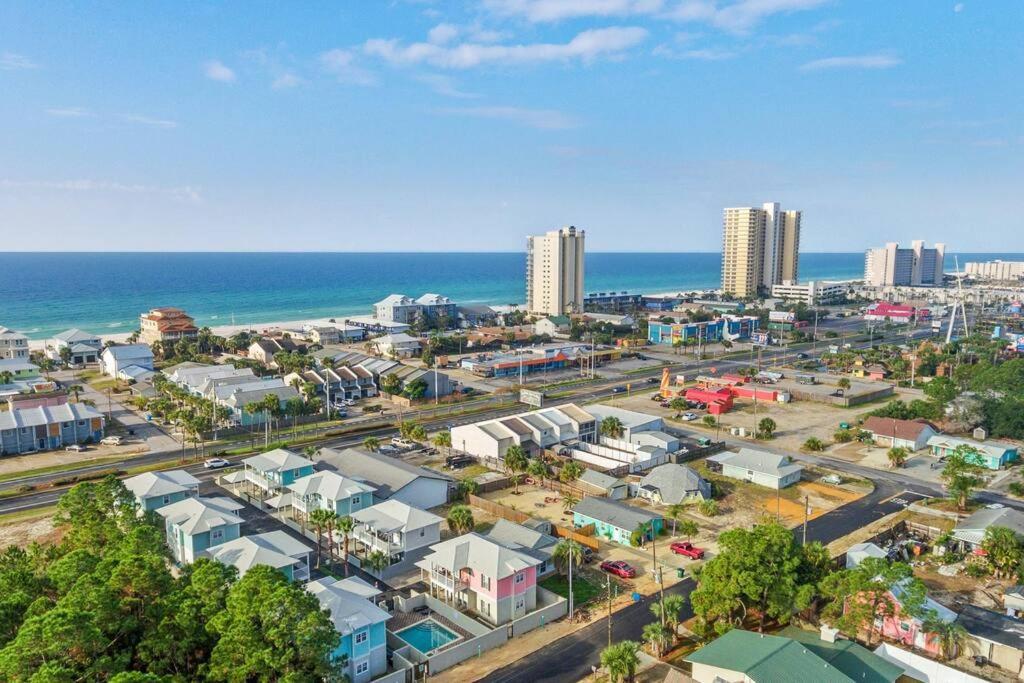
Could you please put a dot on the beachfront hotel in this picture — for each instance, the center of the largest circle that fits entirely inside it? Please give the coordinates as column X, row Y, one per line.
column 554, row 272
column 760, row 248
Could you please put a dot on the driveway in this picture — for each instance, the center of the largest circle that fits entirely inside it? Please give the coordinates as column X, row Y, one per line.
column 155, row 439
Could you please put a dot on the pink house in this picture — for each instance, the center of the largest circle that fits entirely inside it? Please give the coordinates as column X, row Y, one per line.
column 479, row 575
column 908, row 630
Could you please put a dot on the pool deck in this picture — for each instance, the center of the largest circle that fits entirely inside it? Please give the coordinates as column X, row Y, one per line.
column 402, row 620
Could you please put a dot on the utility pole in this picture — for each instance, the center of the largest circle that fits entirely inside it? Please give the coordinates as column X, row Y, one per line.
column 661, row 577
column 608, row 584
column 807, row 505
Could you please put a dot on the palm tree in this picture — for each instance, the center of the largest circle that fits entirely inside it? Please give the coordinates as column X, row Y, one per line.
column 657, row 635
column 678, row 404
column 675, row 511
column 377, row 561
column 766, row 428
column 843, row 383
column 443, row 440
column 620, row 660
column 571, row 471
column 568, row 553
column 346, row 525
column 330, row 519
column 539, row 469
column 688, row 528
column 310, row 451
column 460, row 519
column 318, row 520
column 672, row 605
column 516, row 462
column 569, row 501
column 6, row 377
column 612, row 427
column 897, row 456
column 371, row 443
column 951, row 635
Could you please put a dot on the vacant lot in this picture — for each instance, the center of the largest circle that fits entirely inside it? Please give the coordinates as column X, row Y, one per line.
column 583, row 589
column 24, row 531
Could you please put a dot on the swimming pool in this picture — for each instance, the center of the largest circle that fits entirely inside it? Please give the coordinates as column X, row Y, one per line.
column 427, row 636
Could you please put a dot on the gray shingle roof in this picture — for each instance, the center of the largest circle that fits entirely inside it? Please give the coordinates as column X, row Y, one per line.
column 675, row 483
column 617, row 514
column 387, row 474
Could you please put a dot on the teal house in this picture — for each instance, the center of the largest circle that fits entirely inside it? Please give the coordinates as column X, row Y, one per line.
column 991, row 454
column 330, row 491
column 359, row 622
column 276, row 549
column 615, row 521
column 153, row 490
column 195, row 524
column 276, row 470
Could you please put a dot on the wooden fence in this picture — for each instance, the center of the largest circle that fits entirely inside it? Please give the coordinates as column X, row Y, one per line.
column 587, row 540
column 497, row 509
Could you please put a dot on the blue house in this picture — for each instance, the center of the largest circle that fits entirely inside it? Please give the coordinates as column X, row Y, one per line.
column 276, row 469
column 275, row 549
column 991, row 454
column 330, row 491
column 359, row 622
column 613, row 520
column 153, row 490
column 195, row 524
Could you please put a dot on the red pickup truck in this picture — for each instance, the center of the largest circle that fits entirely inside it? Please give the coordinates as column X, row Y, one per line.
column 686, row 548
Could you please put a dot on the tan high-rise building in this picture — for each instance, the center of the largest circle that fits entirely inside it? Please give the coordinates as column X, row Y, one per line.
column 760, row 248
column 554, row 272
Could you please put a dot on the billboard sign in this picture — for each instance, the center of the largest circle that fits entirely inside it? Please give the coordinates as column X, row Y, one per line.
column 761, row 338
column 781, row 316
column 531, row 398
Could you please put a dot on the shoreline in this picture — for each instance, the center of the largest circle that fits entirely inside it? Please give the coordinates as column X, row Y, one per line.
column 273, row 325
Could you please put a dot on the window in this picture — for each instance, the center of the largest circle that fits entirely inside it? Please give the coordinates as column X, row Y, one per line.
column 362, row 667
column 216, row 534
column 520, row 578
column 485, row 608
column 355, row 500
column 361, row 637
column 485, row 582
column 520, row 603
column 167, row 500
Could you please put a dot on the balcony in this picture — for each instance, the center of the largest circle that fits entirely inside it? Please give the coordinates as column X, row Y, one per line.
column 448, row 582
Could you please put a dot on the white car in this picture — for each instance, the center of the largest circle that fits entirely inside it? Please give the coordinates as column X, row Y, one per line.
column 75, row 448
column 347, row 402
column 215, row 463
column 111, row 441
column 689, row 417
column 402, row 443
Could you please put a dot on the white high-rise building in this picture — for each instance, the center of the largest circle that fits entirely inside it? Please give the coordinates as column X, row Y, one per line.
column 892, row 266
column 760, row 248
column 554, row 272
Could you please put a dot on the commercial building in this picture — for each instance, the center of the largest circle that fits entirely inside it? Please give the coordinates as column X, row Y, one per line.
column 890, row 265
column 166, row 324
column 993, row 455
column 731, row 327
column 760, row 248
column 554, row 272
column 883, row 311
column 612, row 301
column 13, row 344
column 995, row 270
column 813, row 293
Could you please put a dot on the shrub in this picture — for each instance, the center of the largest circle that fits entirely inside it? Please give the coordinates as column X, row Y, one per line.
column 708, row 508
column 842, row 436
column 814, row 444
column 976, row 570
column 1017, row 489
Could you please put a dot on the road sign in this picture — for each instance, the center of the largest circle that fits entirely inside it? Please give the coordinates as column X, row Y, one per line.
column 531, row 398
column 761, row 338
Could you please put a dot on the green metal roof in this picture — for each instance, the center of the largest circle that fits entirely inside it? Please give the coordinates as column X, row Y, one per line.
column 773, row 659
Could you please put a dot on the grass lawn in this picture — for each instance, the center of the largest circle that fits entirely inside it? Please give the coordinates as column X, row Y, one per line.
column 583, row 590
column 7, row 476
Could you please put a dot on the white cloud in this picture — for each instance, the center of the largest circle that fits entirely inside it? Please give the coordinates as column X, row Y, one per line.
column 342, row 65
column 555, row 10
column 586, row 46
column 958, row 7
column 544, row 119
column 445, row 85
column 11, row 61
column 216, row 70
column 286, row 80
column 443, row 33
column 876, row 61
column 707, row 54
column 69, row 112
column 148, row 121
column 737, row 16
column 183, row 193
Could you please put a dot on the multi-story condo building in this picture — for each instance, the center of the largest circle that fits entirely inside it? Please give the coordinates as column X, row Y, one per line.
column 892, row 266
column 429, row 308
column 13, row 344
column 554, row 272
column 811, row 293
column 166, row 324
column 995, row 270
column 760, row 248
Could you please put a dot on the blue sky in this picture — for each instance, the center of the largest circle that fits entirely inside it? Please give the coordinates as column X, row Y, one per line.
column 416, row 125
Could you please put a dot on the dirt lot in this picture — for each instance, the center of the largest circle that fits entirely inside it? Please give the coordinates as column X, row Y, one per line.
column 25, row 463
column 26, row 531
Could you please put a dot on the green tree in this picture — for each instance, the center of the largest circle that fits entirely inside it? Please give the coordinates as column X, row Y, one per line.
column 952, row 635
column 843, row 383
column 570, row 472
column 657, row 636
column 672, row 607
column 443, row 440
column 415, row 389
column 766, row 428
column 862, row 594
column 515, row 462
column 621, row 660
column 612, row 427
column 674, row 512
column 318, row 519
column 961, row 474
column 272, row 629
column 569, row 501
column 708, row 508
column 539, row 470
column 688, row 528
column 391, row 384
column 346, row 525
column 371, row 443
column 377, row 561
column 814, row 444
column 678, row 404
column 709, row 420
column 1003, row 552
column 460, row 519
column 897, row 456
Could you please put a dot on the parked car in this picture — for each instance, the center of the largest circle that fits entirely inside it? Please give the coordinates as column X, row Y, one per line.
column 657, row 397
column 687, row 549
column 689, row 417
column 76, row 448
column 111, row 441
column 387, row 450
column 619, row 568
column 801, row 355
column 588, row 554
column 347, row 401
column 402, row 443
column 215, row 463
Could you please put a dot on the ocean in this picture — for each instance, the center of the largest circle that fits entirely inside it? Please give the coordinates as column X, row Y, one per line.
column 44, row 293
